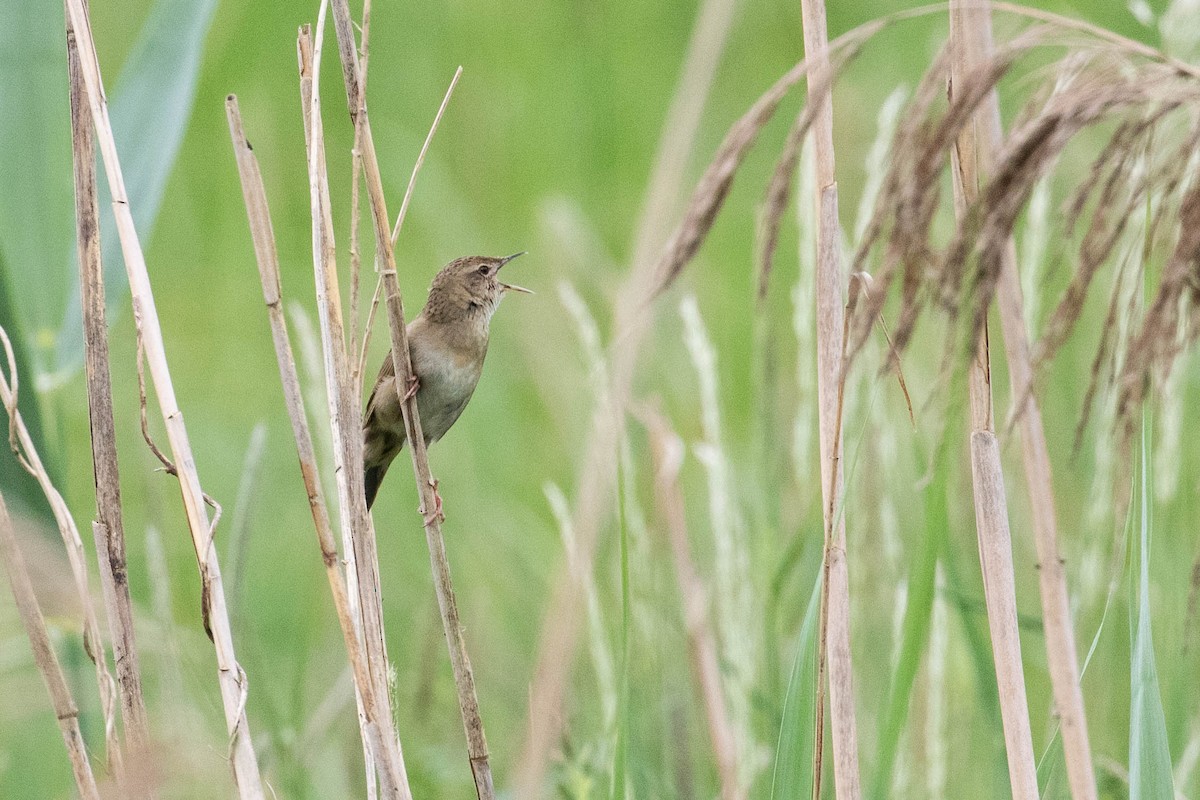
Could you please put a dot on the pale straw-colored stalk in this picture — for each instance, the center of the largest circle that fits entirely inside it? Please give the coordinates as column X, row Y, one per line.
column 464, row 679
column 834, row 641
column 974, row 32
column 991, row 512
column 633, row 314
column 65, row 709
column 668, row 453
column 231, row 677
column 388, row 761
column 342, row 394
column 108, row 529
column 27, row 455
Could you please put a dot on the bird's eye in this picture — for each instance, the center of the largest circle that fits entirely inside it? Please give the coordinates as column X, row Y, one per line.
column 483, row 270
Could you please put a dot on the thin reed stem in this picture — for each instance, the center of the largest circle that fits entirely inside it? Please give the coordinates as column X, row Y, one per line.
column 108, row 529
column 464, row 679
column 30, row 612
column 27, row 455
column 991, row 512
column 231, row 677
column 389, row 761
column 1052, row 580
column 345, row 420
column 834, row 641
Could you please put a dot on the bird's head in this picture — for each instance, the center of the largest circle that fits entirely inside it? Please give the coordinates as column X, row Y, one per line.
column 468, row 287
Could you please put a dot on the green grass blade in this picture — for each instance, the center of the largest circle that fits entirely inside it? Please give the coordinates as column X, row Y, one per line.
column 792, row 776
column 917, row 615
column 36, row 217
column 150, row 109
column 1149, row 754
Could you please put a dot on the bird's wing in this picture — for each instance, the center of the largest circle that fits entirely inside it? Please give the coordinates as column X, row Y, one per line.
column 387, row 370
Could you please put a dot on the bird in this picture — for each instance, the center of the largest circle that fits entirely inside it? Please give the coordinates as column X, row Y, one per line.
column 448, row 342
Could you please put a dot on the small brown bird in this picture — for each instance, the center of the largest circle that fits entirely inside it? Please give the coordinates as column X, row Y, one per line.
column 448, row 342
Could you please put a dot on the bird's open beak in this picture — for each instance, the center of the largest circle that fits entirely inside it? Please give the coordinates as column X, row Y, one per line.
column 508, row 287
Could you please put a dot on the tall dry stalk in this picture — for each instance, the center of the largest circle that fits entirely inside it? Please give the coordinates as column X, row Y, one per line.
column 65, row 709
column 834, row 641
column 1052, row 580
column 464, row 679
column 231, row 677
column 633, row 312
column 28, row 457
column 667, row 449
column 345, row 420
column 991, row 512
column 108, row 529
column 388, row 760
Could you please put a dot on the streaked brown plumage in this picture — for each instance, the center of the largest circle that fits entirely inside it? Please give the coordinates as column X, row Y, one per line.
column 448, row 342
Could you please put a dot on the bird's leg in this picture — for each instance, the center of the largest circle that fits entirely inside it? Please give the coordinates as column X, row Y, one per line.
column 437, row 512
column 414, row 383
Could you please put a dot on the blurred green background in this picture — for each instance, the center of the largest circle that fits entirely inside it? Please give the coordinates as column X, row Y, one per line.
column 547, row 146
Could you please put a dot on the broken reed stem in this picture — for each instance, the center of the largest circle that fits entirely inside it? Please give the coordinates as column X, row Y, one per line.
column 231, row 677
column 108, row 530
column 835, row 605
column 991, row 512
column 389, row 762
column 633, row 312
column 43, row 655
column 93, row 644
column 464, row 679
column 1052, row 579
column 344, row 417
column 667, row 450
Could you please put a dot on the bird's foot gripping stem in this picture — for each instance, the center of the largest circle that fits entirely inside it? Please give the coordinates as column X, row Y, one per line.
column 437, row 513
column 414, row 383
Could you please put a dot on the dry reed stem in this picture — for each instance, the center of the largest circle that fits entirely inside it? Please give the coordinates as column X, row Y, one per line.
column 389, row 762
column 108, row 529
column 408, row 193
column 1052, row 580
column 345, row 420
column 230, row 675
column 633, row 315
column 668, row 452
column 991, row 513
column 65, row 709
column 27, row 456
column 464, row 679
column 834, row 641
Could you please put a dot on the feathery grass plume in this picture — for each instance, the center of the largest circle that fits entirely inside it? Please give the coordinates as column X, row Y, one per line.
column 737, row 610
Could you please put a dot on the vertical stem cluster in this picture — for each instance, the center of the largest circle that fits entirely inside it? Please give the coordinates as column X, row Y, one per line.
column 991, row 512
column 374, row 719
column 464, row 679
column 108, row 529
column 834, row 640
column 231, row 677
